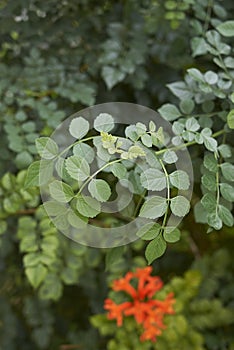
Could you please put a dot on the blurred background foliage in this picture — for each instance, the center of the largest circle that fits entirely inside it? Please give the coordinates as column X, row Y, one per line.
column 58, row 57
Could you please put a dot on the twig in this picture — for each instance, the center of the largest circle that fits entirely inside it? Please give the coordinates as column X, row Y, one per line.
column 69, row 346
column 194, row 247
column 25, row 212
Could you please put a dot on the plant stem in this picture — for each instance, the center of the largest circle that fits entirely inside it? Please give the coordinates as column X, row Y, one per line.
column 217, row 188
column 97, row 172
column 139, row 203
column 187, row 144
column 76, row 143
column 168, row 193
column 208, row 16
column 30, row 211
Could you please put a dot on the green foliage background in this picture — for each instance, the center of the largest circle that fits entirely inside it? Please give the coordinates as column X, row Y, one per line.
column 58, row 57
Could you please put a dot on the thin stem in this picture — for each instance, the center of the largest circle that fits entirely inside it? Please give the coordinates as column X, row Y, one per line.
column 225, row 68
column 30, row 211
column 97, row 172
column 139, row 203
column 70, row 347
column 76, row 143
column 175, row 148
column 187, row 144
column 208, row 115
column 208, row 16
column 194, row 248
column 168, row 193
column 217, row 189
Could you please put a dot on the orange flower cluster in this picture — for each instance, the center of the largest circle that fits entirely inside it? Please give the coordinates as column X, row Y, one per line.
column 147, row 311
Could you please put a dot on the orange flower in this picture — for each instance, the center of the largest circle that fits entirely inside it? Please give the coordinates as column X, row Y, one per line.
column 115, row 310
column 147, row 311
column 123, row 284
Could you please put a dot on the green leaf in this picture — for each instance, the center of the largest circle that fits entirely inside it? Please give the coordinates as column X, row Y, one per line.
column 152, row 126
column 32, row 259
column 209, row 182
column 79, row 127
column 108, row 142
column 83, row 150
column 229, row 62
column 180, row 206
column 134, row 179
column 214, row 221
column 36, row 274
column 21, row 116
column 46, row 147
column 131, row 132
column 118, row 170
column 29, row 127
column 39, row 173
column 8, row 181
column 3, row 226
column 104, row 122
column 180, row 90
column 23, row 160
column 50, row 243
column 230, row 119
column 61, row 192
column 228, row 171
column 153, row 179
column 211, row 77
column 196, row 74
column 210, row 163
column 159, row 135
column 225, row 151
column 69, row 276
column 225, row 215
column 153, row 208
column 99, row 189
column 187, row 106
column 170, row 157
column 227, row 191
column 112, row 76
column 180, row 179
column 210, row 143
column 149, row 231
column 134, row 152
column 199, row 46
column 192, row 124
column 85, row 94
column 209, row 202
column 76, row 220
column 29, row 244
column 152, row 159
column 103, row 153
column 61, row 221
column 146, row 139
column 113, row 256
column 51, row 288
column 169, row 112
column 155, row 249
column 171, row 234
column 12, row 203
column 140, row 129
column 199, row 139
column 226, row 28
column 54, row 208
column 77, row 168
column 88, row 206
